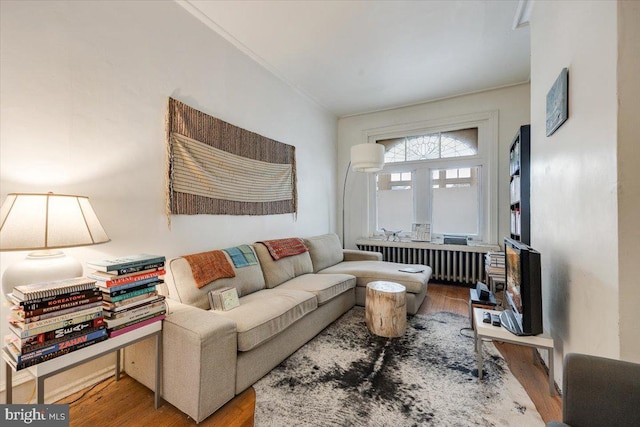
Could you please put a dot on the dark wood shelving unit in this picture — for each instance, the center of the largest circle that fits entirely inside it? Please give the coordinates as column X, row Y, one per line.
column 519, row 185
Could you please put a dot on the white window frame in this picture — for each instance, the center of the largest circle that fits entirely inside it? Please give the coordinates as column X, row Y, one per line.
column 487, row 158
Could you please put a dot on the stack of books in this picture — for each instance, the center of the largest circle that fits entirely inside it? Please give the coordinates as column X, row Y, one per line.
column 51, row 319
column 495, row 269
column 128, row 286
column 494, row 263
column 224, row 299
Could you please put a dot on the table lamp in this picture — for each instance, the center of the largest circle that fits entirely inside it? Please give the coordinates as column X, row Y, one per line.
column 364, row 158
column 44, row 223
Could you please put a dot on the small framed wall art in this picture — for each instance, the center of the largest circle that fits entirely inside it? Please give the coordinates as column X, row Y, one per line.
column 558, row 102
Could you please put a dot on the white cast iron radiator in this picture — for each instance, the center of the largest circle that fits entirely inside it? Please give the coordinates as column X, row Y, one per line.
column 449, row 264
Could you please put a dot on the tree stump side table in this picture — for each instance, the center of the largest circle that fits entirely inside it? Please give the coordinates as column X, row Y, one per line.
column 386, row 309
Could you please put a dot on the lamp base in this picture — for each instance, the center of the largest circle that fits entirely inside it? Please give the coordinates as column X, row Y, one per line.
column 40, row 266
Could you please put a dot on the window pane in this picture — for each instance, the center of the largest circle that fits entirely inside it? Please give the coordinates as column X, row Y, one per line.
column 438, row 145
column 460, row 143
column 423, row 147
column 464, row 173
column 454, row 206
column 394, row 149
column 394, row 203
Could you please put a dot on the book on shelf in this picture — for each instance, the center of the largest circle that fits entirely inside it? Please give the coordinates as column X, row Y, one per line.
column 120, row 280
column 224, row 299
column 114, row 306
column 130, row 287
column 113, row 325
column 18, row 313
column 19, row 362
column 31, row 344
column 135, row 326
column 44, row 290
column 159, row 302
column 60, row 307
column 19, row 357
column 128, row 295
column 55, row 300
column 24, row 330
column 128, row 262
column 110, row 310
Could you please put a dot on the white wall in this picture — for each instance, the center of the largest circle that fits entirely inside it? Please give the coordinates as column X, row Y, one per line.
column 575, row 187
column 512, row 104
column 84, row 93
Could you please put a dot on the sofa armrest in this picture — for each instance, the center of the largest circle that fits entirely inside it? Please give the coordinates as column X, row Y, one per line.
column 199, row 352
column 598, row 391
column 356, row 255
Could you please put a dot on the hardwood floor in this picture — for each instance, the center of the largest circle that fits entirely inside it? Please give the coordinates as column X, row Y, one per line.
column 532, row 376
column 128, row 403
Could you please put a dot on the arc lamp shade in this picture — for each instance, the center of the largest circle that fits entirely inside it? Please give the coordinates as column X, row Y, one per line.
column 367, row 157
column 48, row 221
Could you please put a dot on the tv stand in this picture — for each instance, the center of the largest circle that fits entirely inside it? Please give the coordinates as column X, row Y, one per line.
column 486, row 331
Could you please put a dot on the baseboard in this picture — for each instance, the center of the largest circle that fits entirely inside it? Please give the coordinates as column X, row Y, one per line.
column 80, row 384
column 24, row 383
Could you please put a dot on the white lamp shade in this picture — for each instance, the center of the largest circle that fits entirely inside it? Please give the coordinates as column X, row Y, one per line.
column 367, row 157
column 48, row 221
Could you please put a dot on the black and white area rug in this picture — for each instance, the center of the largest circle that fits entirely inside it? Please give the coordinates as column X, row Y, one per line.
column 346, row 376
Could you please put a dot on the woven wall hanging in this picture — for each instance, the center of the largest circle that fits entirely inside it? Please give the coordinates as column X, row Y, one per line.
column 217, row 168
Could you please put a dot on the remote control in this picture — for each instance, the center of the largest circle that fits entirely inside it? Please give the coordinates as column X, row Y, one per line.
column 495, row 320
column 486, row 317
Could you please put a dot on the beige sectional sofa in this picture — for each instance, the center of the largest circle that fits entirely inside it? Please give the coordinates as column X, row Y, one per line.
column 210, row 356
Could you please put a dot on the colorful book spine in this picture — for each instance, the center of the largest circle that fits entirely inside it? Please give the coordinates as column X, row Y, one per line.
column 33, row 344
column 138, row 325
column 39, row 359
column 123, row 263
column 70, row 343
column 140, row 299
column 19, row 313
column 123, row 289
column 144, row 278
column 62, row 298
column 43, row 290
column 23, row 330
column 129, row 295
column 144, row 267
column 71, row 304
column 114, row 325
column 158, row 302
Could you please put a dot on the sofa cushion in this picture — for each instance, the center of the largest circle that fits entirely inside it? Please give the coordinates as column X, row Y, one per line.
column 368, row 271
column 183, row 288
column 324, row 286
column 278, row 272
column 264, row 314
column 325, row 251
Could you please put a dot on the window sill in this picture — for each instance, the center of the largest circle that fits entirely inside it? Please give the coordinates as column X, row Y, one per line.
column 407, row 243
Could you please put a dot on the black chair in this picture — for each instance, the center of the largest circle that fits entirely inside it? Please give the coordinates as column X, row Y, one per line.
column 599, row 392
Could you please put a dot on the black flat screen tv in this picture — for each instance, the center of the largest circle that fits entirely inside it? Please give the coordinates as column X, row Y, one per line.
column 523, row 290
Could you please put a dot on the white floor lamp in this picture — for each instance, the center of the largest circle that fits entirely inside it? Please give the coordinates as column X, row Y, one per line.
column 364, row 158
column 44, row 223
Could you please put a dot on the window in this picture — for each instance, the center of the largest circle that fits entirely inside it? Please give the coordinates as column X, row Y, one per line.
column 394, row 193
column 445, row 177
column 455, row 200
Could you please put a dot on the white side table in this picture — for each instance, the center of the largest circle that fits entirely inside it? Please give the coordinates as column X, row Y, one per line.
column 51, row 367
column 486, row 331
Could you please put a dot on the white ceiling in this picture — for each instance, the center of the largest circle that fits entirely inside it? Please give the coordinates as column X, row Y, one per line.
column 360, row 56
